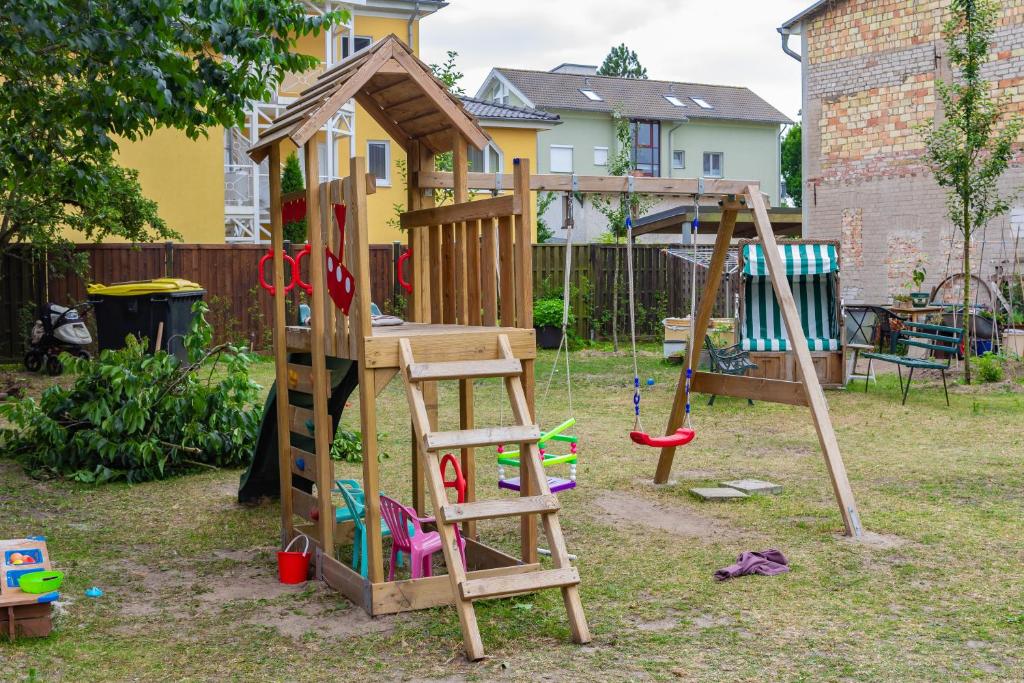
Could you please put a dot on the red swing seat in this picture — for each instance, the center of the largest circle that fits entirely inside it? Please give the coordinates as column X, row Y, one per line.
column 682, row 437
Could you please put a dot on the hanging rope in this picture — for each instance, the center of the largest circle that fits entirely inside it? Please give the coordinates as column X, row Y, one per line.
column 568, row 223
column 694, row 344
column 637, row 424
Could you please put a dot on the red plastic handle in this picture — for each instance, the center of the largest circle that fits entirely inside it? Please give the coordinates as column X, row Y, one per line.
column 305, row 286
column 401, row 262
column 262, row 275
column 459, row 482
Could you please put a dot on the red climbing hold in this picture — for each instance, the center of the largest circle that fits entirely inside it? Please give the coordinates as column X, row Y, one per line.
column 682, row 437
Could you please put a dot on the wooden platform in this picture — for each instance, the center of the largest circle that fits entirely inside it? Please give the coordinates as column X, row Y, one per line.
column 431, row 342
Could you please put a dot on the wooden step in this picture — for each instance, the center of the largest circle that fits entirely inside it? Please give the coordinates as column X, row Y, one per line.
column 500, row 586
column 465, row 369
column 484, row 436
column 490, row 509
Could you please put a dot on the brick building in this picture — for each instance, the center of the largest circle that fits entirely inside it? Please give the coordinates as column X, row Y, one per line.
column 869, row 69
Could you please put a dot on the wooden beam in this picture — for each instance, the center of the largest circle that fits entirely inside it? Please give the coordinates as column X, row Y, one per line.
column 707, row 305
column 384, row 120
column 593, row 184
column 805, row 366
column 431, row 591
column 284, row 465
column 467, row 455
column 459, row 212
column 755, row 388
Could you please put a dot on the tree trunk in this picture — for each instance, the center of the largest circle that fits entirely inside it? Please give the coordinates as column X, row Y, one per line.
column 967, row 294
column 615, row 299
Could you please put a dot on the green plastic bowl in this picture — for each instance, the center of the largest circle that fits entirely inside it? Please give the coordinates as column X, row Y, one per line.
column 41, row 582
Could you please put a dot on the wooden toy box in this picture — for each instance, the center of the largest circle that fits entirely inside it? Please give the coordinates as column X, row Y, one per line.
column 21, row 613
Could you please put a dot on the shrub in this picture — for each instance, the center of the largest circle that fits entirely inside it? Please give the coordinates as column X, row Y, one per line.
column 134, row 416
column 291, row 181
column 989, row 367
column 548, row 311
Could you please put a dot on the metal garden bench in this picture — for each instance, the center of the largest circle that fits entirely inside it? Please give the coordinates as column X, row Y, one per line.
column 729, row 360
column 933, row 339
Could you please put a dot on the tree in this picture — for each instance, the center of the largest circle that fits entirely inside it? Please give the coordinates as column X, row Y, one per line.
column 616, row 212
column 448, row 74
column 77, row 76
column 792, row 164
column 971, row 148
column 544, row 200
column 622, row 62
column 291, row 181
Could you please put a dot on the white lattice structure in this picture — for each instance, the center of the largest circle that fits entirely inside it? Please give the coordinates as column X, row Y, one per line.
column 246, row 184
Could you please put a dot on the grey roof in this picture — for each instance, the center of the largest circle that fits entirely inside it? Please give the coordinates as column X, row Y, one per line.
column 642, row 98
column 806, row 13
column 482, row 109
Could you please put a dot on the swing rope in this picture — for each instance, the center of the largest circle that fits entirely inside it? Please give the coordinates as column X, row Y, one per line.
column 637, row 424
column 694, row 227
column 568, row 223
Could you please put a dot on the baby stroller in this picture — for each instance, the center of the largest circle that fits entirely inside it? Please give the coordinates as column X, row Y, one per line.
column 58, row 329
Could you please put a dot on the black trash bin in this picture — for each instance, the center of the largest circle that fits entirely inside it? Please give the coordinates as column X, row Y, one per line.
column 138, row 309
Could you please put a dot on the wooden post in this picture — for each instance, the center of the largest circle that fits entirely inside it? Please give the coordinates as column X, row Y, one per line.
column 322, row 432
column 460, row 166
column 284, row 443
column 357, row 221
column 805, row 366
column 421, row 159
column 707, row 304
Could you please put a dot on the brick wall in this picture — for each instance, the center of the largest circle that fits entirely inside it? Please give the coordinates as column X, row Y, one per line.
column 871, row 67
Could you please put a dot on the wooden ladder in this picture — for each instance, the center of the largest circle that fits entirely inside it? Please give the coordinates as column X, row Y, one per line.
column 465, row 590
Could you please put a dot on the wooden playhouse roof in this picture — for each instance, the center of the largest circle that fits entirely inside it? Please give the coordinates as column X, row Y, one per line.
column 394, row 87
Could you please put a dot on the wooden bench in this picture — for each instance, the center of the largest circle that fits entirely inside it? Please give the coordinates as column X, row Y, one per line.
column 933, row 339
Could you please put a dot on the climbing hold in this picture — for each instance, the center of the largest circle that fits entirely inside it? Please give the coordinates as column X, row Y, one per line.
column 93, row 592
column 301, row 464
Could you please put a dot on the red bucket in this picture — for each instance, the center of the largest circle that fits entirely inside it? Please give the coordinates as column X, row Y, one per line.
column 292, row 566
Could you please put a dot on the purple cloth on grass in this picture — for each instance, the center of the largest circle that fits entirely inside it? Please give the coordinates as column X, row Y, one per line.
column 767, row 563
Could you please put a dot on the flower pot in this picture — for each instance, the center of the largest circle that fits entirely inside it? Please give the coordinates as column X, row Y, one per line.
column 548, row 336
column 920, row 299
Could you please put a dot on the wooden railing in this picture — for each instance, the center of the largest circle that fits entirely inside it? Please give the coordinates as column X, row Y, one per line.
column 472, row 261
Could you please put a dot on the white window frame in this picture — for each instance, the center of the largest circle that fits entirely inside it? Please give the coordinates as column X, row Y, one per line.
column 487, row 160
column 386, row 180
column 603, row 150
column 591, row 95
column 551, row 159
column 674, row 101
column 682, row 164
column 721, row 165
column 701, row 102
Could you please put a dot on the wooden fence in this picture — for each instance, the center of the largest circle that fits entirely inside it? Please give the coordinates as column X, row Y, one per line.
column 241, row 310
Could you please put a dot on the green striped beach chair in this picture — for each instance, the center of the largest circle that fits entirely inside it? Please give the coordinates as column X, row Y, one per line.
column 812, row 271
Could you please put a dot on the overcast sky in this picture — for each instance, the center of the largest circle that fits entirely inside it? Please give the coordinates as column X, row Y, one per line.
column 727, row 42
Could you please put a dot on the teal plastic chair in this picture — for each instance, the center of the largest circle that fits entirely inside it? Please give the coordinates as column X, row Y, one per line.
column 355, row 502
column 356, row 489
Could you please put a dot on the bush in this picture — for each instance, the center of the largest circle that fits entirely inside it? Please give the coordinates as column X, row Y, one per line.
column 548, row 311
column 989, row 367
column 134, row 416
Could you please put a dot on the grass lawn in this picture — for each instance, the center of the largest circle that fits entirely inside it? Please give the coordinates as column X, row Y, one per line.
column 934, row 594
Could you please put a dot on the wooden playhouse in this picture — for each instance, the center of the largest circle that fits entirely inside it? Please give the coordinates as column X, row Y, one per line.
column 469, row 317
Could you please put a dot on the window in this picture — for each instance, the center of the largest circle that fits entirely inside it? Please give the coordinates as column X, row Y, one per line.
column 600, row 156
column 678, row 158
column 646, row 153
column 702, row 103
column 591, row 95
column 378, row 158
column 361, row 43
column 486, row 161
column 561, row 158
column 713, row 164
column 675, row 101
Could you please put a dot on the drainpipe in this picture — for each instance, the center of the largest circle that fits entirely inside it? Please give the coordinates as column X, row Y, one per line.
column 412, row 20
column 786, row 33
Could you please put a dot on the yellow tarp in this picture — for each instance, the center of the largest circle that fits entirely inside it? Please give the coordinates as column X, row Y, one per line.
column 158, row 286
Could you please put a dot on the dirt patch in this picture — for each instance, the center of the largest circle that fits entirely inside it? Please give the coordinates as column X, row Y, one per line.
column 623, row 508
column 323, row 616
column 877, row 541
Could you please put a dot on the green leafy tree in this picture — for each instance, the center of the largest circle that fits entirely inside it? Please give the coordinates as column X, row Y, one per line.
column 544, row 200
column 291, row 181
column 971, row 148
column 617, row 209
column 77, row 76
column 622, row 62
column 447, row 73
column 792, row 164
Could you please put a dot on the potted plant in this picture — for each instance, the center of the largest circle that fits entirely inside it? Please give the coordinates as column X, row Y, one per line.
column 547, row 321
column 917, row 297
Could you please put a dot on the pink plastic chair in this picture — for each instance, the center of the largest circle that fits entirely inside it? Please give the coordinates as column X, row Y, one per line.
column 421, row 546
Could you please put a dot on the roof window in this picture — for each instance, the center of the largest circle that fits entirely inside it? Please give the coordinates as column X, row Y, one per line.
column 702, row 103
column 673, row 100
column 591, row 95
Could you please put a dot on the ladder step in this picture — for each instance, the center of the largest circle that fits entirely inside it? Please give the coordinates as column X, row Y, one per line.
column 485, row 436
column 489, row 509
column 465, row 369
column 500, row 586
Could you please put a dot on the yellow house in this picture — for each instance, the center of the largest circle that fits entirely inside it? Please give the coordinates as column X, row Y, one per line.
column 211, row 192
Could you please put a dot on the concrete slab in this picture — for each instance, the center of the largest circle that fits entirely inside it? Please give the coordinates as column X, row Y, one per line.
column 724, row 493
column 752, row 486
